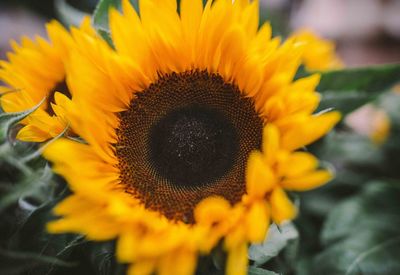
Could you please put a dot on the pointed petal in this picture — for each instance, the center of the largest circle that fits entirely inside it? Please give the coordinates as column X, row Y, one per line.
column 259, row 176
column 282, row 209
column 308, row 181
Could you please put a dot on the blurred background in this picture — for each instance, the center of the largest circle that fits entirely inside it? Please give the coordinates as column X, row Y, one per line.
column 366, row 31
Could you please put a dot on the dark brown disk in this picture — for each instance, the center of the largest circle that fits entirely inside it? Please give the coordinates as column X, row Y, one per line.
column 185, row 138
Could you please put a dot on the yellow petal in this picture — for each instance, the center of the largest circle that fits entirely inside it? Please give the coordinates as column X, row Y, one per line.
column 270, row 145
column 308, row 181
column 282, row 209
column 297, row 164
column 92, row 176
column 249, row 16
column 143, row 267
column 237, row 233
column 191, row 12
column 274, row 108
column 179, row 263
column 308, row 83
column 211, row 209
column 257, row 220
column 31, row 133
column 237, row 260
column 130, row 41
column 126, row 246
column 310, row 131
column 259, row 176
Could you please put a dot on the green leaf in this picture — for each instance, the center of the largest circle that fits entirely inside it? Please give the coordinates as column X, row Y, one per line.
column 375, row 259
column 364, row 211
column 361, row 234
column 366, row 253
column 369, row 79
column 100, row 15
column 348, row 89
column 277, row 239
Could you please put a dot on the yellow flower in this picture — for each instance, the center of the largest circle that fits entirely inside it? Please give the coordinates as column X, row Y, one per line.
column 173, row 123
column 34, row 73
column 319, row 54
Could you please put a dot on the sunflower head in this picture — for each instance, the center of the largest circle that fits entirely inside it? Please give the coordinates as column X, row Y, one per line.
column 34, row 73
column 184, row 138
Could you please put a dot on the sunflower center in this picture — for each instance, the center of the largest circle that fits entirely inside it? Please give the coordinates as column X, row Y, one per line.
column 193, row 145
column 184, row 138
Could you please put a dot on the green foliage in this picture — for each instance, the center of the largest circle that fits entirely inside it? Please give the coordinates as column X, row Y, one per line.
column 348, row 89
column 100, row 15
column 277, row 239
column 351, row 226
column 361, row 235
column 31, row 249
column 27, row 193
column 15, row 163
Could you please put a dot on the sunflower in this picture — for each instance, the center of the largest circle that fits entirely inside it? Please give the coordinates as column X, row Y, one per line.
column 36, row 70
column 319, row 53
column 192, row 128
